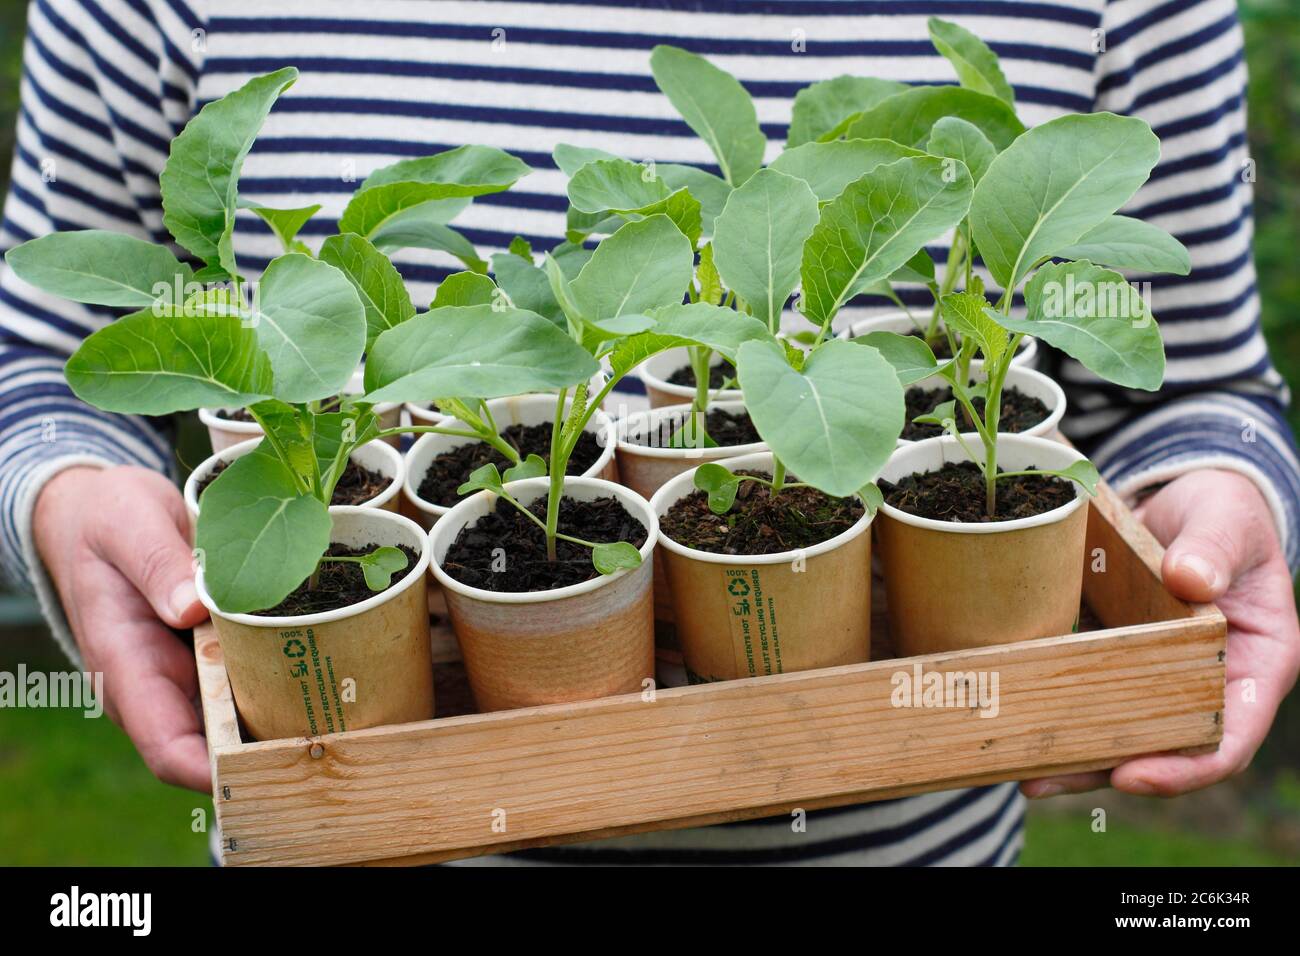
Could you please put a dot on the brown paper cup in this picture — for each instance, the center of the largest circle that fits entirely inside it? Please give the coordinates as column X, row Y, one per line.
column 902, row 323
column 589, row 640
column 645, row 468
column 753, row 615
column 654, row 373
column 360, row 666
column 953, row 586
column 378, row 456
column 1027, row 380
column 516, row 410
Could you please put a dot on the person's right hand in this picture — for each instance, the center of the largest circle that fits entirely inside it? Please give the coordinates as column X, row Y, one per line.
column 116, row 544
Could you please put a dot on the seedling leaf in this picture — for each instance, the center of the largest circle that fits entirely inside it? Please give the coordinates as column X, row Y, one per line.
column 377, row 282
column 719, row 484
column 976, row 65
column 380, row 565
column 615, row 556
column 99, row 268
column 821, row 107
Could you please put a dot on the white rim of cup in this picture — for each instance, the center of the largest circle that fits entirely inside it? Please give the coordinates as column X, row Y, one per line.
column 879, row 323
column 232, row 452
column 600, row 424
column 987, row 527
column 625, row 427
column 352, row 610
column 630, row 500
column 669, row 494
column 1016, row 377
column 652, row 380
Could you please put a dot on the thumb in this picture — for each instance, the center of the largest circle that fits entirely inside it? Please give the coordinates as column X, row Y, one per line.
column 1215, row 539
column 146, row 544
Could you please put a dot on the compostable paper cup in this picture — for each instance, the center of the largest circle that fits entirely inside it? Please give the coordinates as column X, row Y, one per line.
column 588, row 640
column 753, row 615
column 1028, row 381
column 645, row 468
column 365, row 665
column 657, row 368
column 956, row 585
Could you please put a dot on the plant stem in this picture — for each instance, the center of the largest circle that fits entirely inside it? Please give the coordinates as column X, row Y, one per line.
column 488, row 436
column 778, row 475
column 558, row 466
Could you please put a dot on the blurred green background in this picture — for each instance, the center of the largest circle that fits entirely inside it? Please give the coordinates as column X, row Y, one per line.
column 73, row 791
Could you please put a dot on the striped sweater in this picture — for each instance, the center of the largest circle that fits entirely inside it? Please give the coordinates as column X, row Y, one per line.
column 107, row 84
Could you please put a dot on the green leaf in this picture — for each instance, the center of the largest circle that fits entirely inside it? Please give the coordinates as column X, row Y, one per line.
column 521, row 247
column 1085, row 473
column 572, row 158
column 940, row 415
column 311, row 324
column 290, row 435
column 957, row 139
column 615, row 185
column 378, row 283
column 708, row 189
column 829, row 167
column 259, row 536
column 165, row 361
column 871, row 497
column 534, row 466
column 919, row 268
column 479, row 351
column 908, row 117
column 527, row 286
column 615, row 556
column 645, row 264
column 486, row 478
column 100, row 268
column 821, row 107
column 200, row 181
column 1054, row 185
column 1093, row 315
column 911, row 358
column 719, row 484
column 466, row 171
column 285, row 223
column 465, row 288
column 759, row 237
column 1124, row 243
column 876, row 226
column 380, row 565
column 976, row 65
column 715, row 106
column 969, row 316
column 698, row 323
column 706, row 273
column 836, row 422
column 421, row 227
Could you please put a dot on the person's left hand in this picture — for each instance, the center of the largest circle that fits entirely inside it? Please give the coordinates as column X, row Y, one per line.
column 1221, row 546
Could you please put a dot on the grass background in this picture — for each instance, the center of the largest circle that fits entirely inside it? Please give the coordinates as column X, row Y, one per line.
column 73, row 791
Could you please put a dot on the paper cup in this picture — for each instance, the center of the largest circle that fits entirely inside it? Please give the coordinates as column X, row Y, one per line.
column 954, row 585
column 901, row 323
column 361, row 666
column 588, row 640
column 753, row 615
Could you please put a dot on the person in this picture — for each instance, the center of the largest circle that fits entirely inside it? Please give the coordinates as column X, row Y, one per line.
column 90, row 516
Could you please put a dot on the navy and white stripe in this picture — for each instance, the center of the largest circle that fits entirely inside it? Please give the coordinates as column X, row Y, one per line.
column 107, row 84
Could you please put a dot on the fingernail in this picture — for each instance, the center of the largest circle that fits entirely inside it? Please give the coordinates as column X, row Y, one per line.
column 1201, row 568
column 183, row 598
column 1047, row 790
column 1143, row 788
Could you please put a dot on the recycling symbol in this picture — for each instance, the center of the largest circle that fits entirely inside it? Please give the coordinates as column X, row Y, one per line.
column 738, row 587
column 294, row 648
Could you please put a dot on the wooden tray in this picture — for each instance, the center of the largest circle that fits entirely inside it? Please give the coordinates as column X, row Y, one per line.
column 1151, row 678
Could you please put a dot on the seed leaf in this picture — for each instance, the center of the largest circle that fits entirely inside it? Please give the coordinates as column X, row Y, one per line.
column 486, row 478
column 719, row 484
column 534, row 466
column 615, row 556
column 380, row 565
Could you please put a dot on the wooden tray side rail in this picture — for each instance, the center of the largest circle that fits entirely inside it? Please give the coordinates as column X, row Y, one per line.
column 1152, row 680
